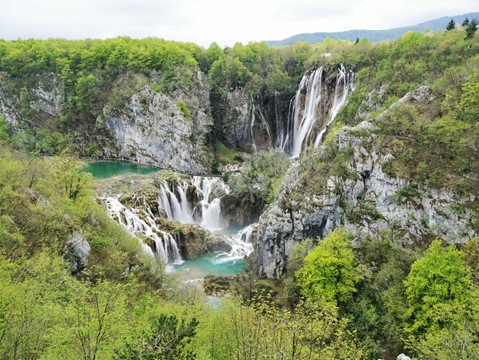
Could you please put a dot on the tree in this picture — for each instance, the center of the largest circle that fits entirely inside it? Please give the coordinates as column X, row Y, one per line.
column 330, row 272
column 92, row 322
column 3, row 128
column 465, row 22
column 451, row 25
column 438, row 290
column 164, row 339
column 471, row 29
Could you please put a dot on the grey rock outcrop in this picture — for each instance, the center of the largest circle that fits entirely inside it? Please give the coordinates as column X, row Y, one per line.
column 155, row 131
column 235, row 123
column 403, row 357
column 244, row 124
column 77, row 251
column 44, row 98
column 367, row 202
column 153, row 128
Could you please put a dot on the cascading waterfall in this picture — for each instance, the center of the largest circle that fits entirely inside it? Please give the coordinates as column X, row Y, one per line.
column 266, row 126
column 211, row 217
column 241, row 245
column 206, row 211
column 131, row 219
column 344, row 83
column 303, row 126
column 177, row 208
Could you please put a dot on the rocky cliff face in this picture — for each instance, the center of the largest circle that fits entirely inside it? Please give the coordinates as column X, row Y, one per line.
column 153, row 129
column 39, row 103
column 368, row 202
column 252, row 125
column 170, row 131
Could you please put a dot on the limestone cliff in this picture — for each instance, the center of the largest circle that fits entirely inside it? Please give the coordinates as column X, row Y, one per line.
column 128, row 120
column 364, row 198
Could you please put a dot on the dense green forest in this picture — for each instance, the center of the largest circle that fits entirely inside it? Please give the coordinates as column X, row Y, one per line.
column 339, row 299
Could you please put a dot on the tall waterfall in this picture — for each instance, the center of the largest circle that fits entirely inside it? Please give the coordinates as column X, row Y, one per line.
column 304, row 115
column 344, row 83
column 304, row 125
column 281, row 133
column 253, row 119
column 142, row 225
column 202, row 207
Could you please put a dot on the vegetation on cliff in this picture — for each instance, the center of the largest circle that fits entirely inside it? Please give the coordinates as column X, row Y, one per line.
column 338, row 299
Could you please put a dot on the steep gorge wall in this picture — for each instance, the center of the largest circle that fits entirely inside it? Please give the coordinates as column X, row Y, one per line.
column 133, row 122
column 365, row 199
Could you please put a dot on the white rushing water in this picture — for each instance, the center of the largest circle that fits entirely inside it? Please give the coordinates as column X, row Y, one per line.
column 142, row 225
column 304, row 124
column 200, row 207
column 344, row 84
column 253, row 119
column 241, row 243
column 304, row 115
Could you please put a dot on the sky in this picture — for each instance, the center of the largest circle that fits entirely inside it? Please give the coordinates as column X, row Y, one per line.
column 205, row 21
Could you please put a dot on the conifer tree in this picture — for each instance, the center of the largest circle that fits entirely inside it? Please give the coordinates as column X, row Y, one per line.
column 471, row 29
column 451, row 25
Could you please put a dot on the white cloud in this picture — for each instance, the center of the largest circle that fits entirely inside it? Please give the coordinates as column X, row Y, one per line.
column 205, row 21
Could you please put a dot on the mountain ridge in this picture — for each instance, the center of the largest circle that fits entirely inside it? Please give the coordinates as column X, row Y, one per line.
column 373, row 36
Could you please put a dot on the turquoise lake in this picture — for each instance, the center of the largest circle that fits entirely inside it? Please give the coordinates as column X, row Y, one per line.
column 105, row 169
column 209, row 264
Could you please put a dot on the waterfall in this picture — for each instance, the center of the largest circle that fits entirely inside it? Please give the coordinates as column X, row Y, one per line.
column 344, row 83
column 241, row 245
column 303, row 117
column 206, row 209
column 177, row 208
column 253, row 118
column 265, row 124
column 132, row 220
column 211, row 217
column 303, row 125
column 278, row 144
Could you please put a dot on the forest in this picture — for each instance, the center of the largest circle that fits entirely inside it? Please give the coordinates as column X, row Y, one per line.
column 339, row 298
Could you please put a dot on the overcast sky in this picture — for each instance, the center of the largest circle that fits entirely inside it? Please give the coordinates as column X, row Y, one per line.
column 205, row 21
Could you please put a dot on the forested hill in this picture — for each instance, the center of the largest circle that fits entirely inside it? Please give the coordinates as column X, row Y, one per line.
column 345, row 265
column 373, row 35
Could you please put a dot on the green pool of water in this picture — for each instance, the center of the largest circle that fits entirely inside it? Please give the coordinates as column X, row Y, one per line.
column 209, row 264
column 105, row 169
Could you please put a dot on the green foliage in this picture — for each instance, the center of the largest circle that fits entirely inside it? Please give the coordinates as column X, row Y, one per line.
column 185, row 112
column 261, row 332
column 91, row 321
column 471, row 29
column 471, row 257
column 438, row 290
column 27, row 304
column 227, row 155
column 261, row 176
column 164, row 339
column 4, row 133
column 330, row 272
column 470, row 100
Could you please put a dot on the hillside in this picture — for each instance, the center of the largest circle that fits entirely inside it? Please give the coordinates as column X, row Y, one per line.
column 346, row 188
column 373, row 36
